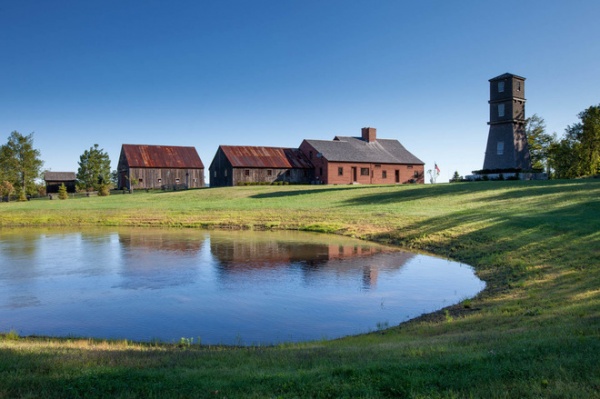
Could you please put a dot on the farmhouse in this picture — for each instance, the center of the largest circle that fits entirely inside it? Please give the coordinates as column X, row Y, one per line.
column 364, row 160
column 159, row 166
column 237, row 165
column 55, row 179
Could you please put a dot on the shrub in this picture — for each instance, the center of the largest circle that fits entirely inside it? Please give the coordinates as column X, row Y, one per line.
column 62, row 192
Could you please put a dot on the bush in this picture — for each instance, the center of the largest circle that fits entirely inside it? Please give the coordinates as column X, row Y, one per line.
column 104, row 190
column 62, row 192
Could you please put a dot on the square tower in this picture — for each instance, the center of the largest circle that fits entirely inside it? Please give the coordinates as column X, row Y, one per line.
column 507, row 146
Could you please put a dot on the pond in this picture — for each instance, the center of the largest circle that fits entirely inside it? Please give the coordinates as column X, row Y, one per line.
column 217, row 287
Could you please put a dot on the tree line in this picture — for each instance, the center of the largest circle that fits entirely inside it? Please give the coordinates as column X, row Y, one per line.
column 575, row 154
column 21, row 169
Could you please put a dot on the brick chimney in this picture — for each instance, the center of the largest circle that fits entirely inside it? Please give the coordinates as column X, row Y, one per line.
column 369, row 134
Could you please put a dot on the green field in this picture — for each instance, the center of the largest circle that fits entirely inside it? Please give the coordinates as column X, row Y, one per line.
column 533, row 332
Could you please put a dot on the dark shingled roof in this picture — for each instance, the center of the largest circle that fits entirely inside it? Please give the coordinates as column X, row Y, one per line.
column 59, row 176
column 506, row 76
column 355, row 149
column 161, row 156
column 265, row 157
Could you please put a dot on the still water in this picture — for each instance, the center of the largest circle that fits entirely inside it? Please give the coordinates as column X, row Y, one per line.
column 238, row 288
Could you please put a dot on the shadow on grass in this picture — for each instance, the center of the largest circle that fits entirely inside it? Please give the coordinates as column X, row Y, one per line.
column 514, row 190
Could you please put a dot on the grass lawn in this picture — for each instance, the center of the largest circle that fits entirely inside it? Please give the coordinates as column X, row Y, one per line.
column 533, row 332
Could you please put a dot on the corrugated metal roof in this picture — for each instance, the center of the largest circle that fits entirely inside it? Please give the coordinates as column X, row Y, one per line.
column 355, row 149
column 162, row 156
column 59, row 176
column 265, row 157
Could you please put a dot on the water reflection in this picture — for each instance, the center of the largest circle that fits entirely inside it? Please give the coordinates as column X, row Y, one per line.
column 224, row 287
column 158, row 259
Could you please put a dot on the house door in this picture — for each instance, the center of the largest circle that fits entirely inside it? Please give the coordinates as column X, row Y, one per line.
column 354, row 174
column 397, row 176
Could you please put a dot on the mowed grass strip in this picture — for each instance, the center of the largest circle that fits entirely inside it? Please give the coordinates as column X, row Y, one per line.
column 534, row 331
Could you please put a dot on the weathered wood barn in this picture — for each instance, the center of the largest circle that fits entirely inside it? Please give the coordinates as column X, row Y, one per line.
column 237, row 165
column 159, row 166
column 55, row 179
column 364, row 160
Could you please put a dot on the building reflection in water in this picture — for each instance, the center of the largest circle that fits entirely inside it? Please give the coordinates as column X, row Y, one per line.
column 239, row 257
column 155, row 259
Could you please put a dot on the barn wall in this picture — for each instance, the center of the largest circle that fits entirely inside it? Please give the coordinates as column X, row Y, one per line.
column 53, row 186
column 220, row 171
column 259, row 175
column 149, row 178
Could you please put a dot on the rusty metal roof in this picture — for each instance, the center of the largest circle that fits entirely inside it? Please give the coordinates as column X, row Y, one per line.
column 161, row 156
column 265, row 157
column 59, row 176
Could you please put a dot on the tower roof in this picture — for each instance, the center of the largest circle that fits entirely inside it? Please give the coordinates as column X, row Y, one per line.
column 505, row 76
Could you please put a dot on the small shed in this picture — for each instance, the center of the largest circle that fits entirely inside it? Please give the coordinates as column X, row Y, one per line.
column 238, row 165
column 55, row 179
column 164, row 167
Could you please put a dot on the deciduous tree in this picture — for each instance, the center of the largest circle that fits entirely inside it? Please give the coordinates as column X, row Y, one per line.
column 20, row 163
column 578, row 152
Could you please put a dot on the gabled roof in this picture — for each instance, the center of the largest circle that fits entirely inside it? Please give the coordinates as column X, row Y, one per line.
column 355, row 149
column 59, row 176
column 265, row 157
column 161, row 156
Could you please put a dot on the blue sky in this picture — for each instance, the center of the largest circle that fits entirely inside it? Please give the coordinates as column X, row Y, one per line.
column 274, row 72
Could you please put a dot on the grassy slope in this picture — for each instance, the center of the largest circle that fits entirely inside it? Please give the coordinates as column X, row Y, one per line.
column 534, row 332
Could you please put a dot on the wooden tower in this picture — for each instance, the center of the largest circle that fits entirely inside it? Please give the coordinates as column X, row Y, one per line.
column 507, row 142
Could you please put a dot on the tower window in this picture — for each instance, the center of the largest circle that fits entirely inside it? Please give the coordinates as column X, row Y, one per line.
column 518, row 86
column 500, row 148
column 500, row 110
column 501, row 87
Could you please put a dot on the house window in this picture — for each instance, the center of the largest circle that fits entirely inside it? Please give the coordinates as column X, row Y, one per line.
column 310, row 154
column 518, row 86
column 176, row 180
column 159, row 180
column 378, row 165
column 409, row 167
column 340, row 171
column 364, row 171
column 500, row 87
column 416, row 174
column 500, row 148
column 215, row 173
column 321, row 171
column 384, row 174
column 269, row 172
column 246, row 172
column 500, row 110
column 140, row 180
